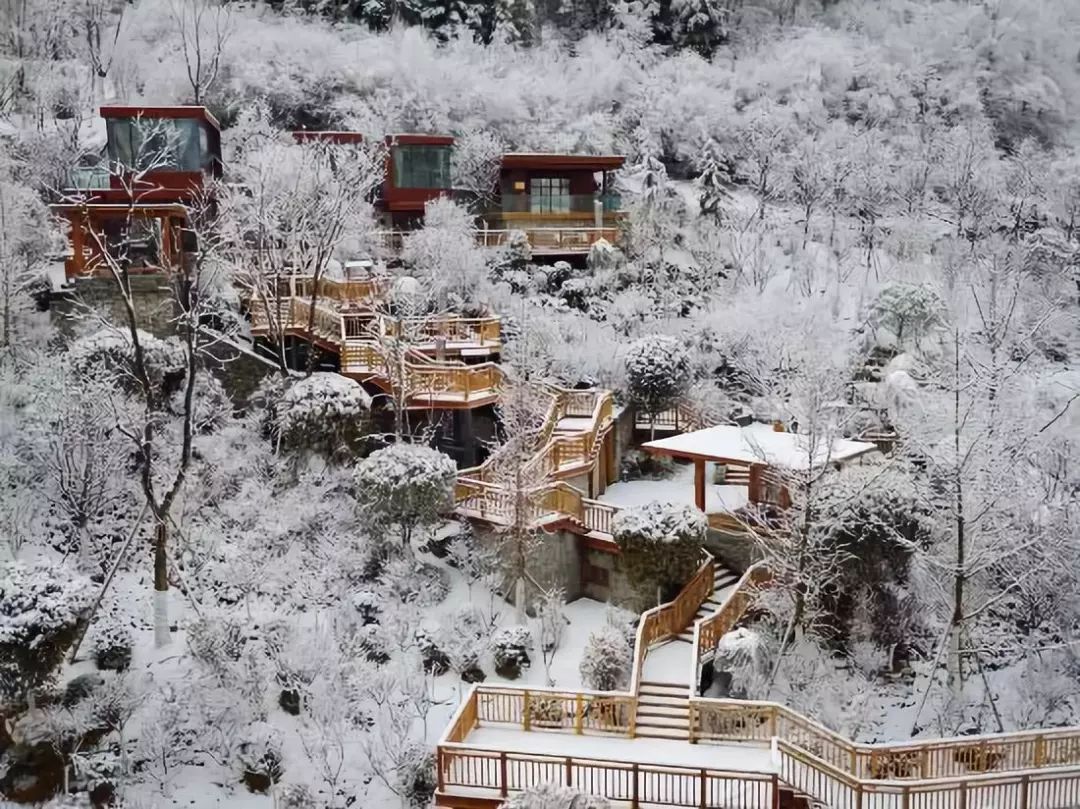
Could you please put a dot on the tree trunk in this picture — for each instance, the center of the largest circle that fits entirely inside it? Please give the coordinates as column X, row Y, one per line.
column 519, row 600
column 162, row 635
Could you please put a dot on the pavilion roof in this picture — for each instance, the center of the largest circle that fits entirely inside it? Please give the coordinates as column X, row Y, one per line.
column 758, row 443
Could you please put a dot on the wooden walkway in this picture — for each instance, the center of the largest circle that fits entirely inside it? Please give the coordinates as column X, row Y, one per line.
column 734, row 753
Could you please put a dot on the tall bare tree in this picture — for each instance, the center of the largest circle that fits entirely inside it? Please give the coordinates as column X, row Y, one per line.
column 204, row 28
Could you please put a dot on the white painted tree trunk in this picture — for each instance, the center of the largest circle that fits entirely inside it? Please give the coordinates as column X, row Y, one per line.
column 162, row 636
column 519, row 600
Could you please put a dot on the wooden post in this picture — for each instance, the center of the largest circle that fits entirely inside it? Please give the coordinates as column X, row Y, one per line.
column 775, row 792
column 632, row 730
column 525, row 718
column 1025, row 787
column 691, row 723
column 703, row 791
column 569, row 771
column 439, row 769
column 961, row 802
column 905, row 798
column 634, row 788
column 502, row 774
column 579, row 714
column 854, row 762
column 858, row 796
column 1040, row 751
column 78, row 257
column 699, row 484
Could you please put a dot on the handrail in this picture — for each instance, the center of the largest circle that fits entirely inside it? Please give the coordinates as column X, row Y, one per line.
column 629, row 782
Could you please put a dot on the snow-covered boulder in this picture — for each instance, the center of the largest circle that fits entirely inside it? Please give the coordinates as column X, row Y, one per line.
column 111, row 352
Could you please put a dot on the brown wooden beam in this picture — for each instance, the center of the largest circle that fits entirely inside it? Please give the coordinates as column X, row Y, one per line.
column 699, row 484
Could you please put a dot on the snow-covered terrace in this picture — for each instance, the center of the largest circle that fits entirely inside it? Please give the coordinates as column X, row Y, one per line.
column 677, row 489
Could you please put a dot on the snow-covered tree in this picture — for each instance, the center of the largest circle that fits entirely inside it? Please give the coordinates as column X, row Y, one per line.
column 714, row 182
column 25, row 240
column 476, row 164
column 607, row 660
column 906, row 310
column 660, row 545
column 204, row 28
column 443, row 254
column 406, row 486
column 41, row 606
column 657, row 374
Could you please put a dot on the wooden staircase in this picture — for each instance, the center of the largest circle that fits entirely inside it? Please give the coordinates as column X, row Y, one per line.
column 663, row 711
column 724, row 582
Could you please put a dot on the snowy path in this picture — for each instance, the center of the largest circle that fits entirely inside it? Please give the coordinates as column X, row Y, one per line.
column 668, row 663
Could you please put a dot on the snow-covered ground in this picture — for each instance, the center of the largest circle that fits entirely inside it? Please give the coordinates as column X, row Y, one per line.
column 677, row 489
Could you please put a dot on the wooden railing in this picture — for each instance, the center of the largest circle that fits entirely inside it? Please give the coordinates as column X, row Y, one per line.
column 923, row 760
column 637, row 785
column 709, row 630
column 551, row 239
column 551, row 709
column 1031, row 789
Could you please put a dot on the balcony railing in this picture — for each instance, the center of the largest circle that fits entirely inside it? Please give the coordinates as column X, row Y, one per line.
column 89, row 178
column 560, row 204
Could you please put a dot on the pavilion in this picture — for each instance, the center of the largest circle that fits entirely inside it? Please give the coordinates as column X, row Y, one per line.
column 757, row 456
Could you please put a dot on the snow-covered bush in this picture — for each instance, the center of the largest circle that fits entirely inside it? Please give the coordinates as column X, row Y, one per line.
column 742, row 656
column 607, row 660
column 435, row 660
column 214, row 639
column 407, row 580
column 111, row 645
column 405, row 485
column 326, row 413
column 510, row 647
column 416, row 775
column 464, row 636
column 660, row 545
column 40, row 609
column 110, row 352
column 657, row 373
column 213, row 407
column 294, row 796
column 367, row 604
column 259, row 756
column 554, row 796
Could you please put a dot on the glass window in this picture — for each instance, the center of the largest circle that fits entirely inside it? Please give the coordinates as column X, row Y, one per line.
column 418, row 166
column 142, row 143
column 549, row 195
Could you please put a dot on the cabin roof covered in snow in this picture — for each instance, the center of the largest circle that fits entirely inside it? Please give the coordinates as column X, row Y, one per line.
column 757, row 443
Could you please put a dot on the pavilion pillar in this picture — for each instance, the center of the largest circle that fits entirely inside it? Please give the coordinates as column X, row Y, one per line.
column 699, row 484
column 166, row 257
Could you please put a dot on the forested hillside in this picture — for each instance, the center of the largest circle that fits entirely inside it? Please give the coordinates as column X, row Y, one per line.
column 857, row 218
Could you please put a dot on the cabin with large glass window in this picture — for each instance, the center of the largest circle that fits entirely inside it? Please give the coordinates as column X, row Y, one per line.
column 563, row 203
column 131, row 207
column 417, row 171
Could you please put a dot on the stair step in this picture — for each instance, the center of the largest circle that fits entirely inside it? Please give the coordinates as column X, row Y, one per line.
column 662, row 722
column 663, row 709
column 664, row 699
column 678, row 734
column 686, row 636
column 650, row 687
column 663, row 683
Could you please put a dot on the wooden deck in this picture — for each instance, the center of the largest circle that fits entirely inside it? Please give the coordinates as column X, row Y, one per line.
column 737, row 753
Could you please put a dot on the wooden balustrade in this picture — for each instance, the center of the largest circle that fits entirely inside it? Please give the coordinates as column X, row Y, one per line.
column 635, row 784
column 549, row 709
column 1027, row 789
column 711, row 629
column 597, row 516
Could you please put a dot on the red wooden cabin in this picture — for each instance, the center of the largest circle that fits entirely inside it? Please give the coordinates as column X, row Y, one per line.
column 417, row 171
column 160, row 160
